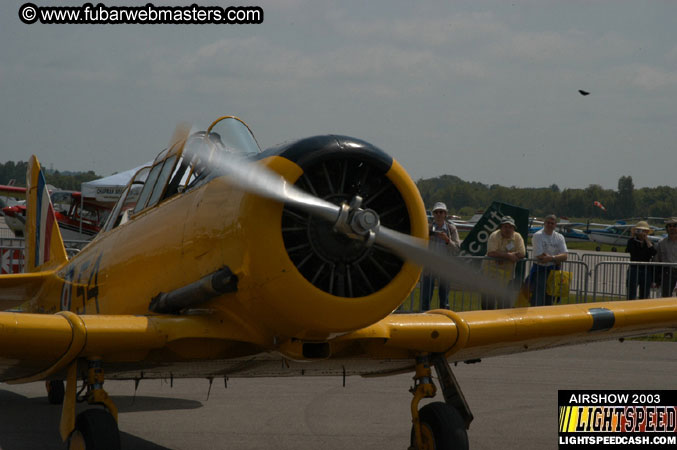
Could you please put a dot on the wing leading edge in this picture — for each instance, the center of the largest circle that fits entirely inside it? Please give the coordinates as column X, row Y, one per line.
column 38, row 346
column 480, row 334
column 41, row 346
column 500, row 332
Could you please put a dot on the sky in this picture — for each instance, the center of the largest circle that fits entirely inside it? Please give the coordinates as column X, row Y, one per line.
column 484, row 90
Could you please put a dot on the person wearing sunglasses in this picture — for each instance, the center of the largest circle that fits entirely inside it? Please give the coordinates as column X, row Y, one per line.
column 666, row 251
column 444, row 238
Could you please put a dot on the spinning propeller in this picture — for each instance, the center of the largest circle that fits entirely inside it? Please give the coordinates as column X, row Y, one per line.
column 350, row 219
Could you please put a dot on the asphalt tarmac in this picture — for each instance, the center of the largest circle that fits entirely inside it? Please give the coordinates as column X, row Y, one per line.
column 513, row 399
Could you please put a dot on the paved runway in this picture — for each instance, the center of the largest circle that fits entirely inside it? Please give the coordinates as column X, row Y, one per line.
column 513, row 398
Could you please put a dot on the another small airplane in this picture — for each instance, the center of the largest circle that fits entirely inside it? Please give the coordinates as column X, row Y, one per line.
column 78, row 219
column 10, row 197
column 570, row 230
column 616, row 235
column 466, row 225
column 224, row 261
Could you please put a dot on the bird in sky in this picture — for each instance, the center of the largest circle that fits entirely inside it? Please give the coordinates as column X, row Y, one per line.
column 583, row 93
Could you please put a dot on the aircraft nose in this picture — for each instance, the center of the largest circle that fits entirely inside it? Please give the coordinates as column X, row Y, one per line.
column 11, row 211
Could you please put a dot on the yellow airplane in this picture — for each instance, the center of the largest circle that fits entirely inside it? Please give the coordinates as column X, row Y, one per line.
column 223, row 261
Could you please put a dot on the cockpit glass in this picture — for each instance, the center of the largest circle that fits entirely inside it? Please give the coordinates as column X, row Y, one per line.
column 226, row 135
column 127, row 200
column 233, row 136
column 185, row 166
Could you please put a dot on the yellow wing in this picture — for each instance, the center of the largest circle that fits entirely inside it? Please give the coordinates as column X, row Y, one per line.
column 470, row 335
column 40, row 346
column 35, row 346
column 16, row 288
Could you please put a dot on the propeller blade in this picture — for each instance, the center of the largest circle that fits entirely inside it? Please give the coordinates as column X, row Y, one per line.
column 260, row 180
column 450, row 268
column 181, row 133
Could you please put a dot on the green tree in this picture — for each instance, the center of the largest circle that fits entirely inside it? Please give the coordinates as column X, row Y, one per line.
column 13, row 171
column 462, row 197
column 625, row 198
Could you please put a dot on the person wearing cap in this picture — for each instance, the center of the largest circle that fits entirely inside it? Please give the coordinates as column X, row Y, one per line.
column 549, row 249
column 443, row 238
column 506, row 247
column 666, row 251
column 641, row 250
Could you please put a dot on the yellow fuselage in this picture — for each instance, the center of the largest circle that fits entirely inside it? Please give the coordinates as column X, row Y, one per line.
column 193, row 234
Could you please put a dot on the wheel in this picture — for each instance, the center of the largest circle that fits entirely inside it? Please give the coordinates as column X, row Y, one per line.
column 55, row 391
column 598, row 248
column 443, row 425
column 95, row 429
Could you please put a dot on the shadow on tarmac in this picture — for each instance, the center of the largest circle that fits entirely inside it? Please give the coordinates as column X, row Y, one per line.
column 28, row 423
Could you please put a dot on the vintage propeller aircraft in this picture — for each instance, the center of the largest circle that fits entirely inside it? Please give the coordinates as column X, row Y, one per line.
column 570, row 230
column 223, row 261
column 616, row 235
column 78, row 218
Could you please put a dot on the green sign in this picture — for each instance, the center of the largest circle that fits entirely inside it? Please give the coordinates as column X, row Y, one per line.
column 475, row 244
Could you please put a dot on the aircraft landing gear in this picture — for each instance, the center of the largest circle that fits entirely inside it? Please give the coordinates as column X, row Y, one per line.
column 93, row 429
column 438, row 425
column 55, row 391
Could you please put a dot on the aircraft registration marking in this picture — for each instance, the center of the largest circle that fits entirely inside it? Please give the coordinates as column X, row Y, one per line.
column 83, row 292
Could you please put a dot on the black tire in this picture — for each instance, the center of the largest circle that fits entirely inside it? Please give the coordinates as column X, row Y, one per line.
column 55, row 391
column 97, row 429
column 598, row 248
column 446, row 426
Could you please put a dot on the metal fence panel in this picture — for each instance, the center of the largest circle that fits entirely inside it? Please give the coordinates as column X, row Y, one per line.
column 12, row 253
column 609, row 280
column 574, row 291
column 592, row 259
column 620, row 280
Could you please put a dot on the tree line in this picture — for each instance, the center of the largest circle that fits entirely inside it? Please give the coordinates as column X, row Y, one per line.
column 69, row 181
column 465, row 198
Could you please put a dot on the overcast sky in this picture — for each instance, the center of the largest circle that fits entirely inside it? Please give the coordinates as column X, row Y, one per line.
column 487, row 91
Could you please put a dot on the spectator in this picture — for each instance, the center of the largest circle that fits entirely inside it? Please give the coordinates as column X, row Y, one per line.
column 666, row 251
column 506, row 247
column 549, row 250
column 443, row 238
column 641, row 249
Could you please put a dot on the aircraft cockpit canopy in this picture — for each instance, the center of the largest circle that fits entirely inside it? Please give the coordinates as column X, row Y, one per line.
column 183, row 166
column 233, row 135
column 127, row 201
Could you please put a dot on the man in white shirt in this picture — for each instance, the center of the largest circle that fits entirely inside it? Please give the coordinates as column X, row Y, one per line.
column 549, row 250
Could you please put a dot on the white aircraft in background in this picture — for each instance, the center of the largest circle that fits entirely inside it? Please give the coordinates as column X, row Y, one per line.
column 466, row 225
column 616, row 235
column 570, row 230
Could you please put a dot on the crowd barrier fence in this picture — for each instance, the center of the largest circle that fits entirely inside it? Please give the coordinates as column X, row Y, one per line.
column 592, row 278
